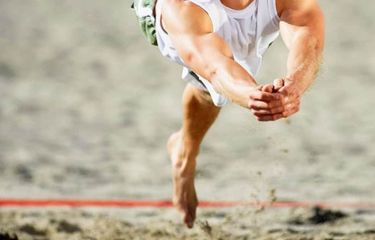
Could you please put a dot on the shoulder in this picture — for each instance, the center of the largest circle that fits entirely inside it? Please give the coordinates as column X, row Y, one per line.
column 296, row 5
column 185, row 16
column 297, row 8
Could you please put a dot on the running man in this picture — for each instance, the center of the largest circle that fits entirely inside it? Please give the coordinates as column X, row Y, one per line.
column 220, row 44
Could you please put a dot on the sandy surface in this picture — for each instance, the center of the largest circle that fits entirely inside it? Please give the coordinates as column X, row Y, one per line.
column 80, row 117
column 296, row 224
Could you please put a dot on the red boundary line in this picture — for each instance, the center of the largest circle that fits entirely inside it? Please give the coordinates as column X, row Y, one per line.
column 167, row 204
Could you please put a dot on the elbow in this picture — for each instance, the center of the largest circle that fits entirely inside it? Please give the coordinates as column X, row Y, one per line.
column 316, row 43
column 199, row 64
column 189, row 57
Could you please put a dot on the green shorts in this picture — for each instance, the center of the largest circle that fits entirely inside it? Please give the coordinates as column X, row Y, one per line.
column 144, row 9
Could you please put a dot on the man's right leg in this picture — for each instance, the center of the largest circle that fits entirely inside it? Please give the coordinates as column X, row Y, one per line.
column 199, row 113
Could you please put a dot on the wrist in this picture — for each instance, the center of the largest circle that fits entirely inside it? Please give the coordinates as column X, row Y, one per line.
column 298, row 85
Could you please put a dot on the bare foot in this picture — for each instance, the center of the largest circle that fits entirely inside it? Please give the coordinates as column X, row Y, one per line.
column 184, row 195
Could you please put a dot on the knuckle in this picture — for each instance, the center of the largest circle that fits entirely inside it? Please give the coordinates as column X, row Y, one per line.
column 253, row 96
column 252, row 104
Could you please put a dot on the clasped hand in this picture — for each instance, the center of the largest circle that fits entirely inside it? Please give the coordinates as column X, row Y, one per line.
column 272, row 102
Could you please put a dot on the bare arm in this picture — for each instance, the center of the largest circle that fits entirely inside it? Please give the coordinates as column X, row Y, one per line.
column 207, row 54
column 302, row 29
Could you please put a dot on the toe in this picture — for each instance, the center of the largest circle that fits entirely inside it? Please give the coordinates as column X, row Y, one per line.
column 188, row 220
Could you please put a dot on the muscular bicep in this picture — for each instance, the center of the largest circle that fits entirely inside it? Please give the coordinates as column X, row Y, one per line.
column 191, row 32
column 301, row 18
column 202, row 53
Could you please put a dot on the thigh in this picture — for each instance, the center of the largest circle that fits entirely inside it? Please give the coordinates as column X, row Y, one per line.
column 199, row 113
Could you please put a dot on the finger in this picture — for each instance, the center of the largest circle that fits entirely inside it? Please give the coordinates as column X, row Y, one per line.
column 267, row 118
column 265, row 96
column 258, row 105
column 261, row 105
column 277, row 84
column 267, row 88
column 261, row 112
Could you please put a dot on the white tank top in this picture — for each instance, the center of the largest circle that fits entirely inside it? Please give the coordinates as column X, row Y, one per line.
column 248, row 32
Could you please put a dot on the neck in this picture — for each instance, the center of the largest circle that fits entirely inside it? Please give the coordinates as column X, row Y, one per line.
column 237, row 4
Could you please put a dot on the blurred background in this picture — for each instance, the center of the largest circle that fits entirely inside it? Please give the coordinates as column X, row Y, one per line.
column 86, row 107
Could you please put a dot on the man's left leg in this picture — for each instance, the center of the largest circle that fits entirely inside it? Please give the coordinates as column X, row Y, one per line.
column 199, row 113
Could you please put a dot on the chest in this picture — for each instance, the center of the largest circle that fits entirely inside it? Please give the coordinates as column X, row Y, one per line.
column 241, row 33
column 249, row 34
column 239, row 29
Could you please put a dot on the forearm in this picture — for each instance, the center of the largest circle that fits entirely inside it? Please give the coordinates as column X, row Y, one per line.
column 227, row 76
column 210, row 57
column 304, row 60
column 232, row 81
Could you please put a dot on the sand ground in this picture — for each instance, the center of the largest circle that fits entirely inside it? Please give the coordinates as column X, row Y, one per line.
column 86, row 107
